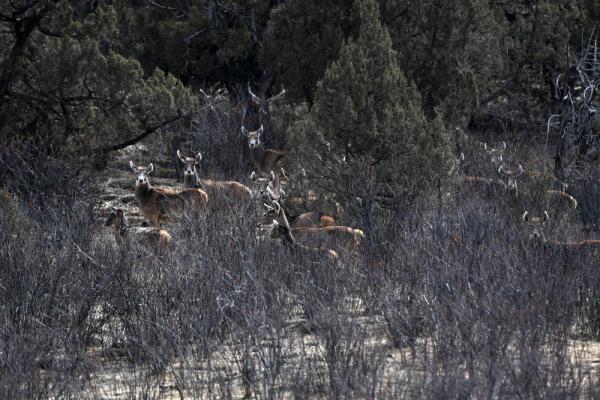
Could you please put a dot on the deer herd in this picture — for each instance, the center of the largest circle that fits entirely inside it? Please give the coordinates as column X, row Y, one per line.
column 510, row 175
column 313, row 231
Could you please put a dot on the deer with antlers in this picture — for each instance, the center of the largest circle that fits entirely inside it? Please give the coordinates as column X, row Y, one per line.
column 235, row 191
column 339, row 237
column 158, row 238
column 277, row 226
column 265, row 160
column 273, row 192
column 158, row 204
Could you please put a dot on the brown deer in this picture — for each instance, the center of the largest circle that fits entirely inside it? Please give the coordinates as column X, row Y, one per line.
column 537, row 223
column 265, row 160
column 312, row 219
column 495, row 153
column 342, row 237
column 277, row 226
column 235, row 191
column 156, row 237
column 158, row 204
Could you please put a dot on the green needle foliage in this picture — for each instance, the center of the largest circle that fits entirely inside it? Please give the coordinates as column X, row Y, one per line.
column 68, row 88
column 365, row 105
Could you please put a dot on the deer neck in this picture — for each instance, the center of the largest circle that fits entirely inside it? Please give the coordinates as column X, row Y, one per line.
column 258, row 153
column 142, row 192
column 191, row 181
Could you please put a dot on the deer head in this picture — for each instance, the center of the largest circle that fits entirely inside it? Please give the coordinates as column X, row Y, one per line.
column 536, row 224
column 268, row 188
column 495, row 153
column 141, row 174
column 190, row 171
column 253, row 136
column 511, row 175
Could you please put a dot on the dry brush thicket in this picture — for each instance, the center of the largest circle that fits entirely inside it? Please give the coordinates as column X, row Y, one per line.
column 446, row 299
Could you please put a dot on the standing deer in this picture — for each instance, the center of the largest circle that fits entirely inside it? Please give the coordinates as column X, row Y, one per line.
column 157, row 203
column 265, row 160
column 235, row 191
column 156, row 237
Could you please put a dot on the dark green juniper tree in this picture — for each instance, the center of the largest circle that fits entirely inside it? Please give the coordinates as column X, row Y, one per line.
column 368, row 124
column 67, row 88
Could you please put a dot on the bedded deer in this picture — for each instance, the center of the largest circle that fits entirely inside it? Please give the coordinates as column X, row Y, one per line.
column 158, row 204
column 340, row 237
column 312, row 219
column 265, row 160
column 155, row 237
column 277, row 226
column 537, row 223
column 268, row 188
column 235, row 191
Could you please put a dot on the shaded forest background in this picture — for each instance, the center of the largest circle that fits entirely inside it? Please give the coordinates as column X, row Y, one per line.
column 383, row 107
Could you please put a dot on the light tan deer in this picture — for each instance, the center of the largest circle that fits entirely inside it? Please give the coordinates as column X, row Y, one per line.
column 495, row 153
column 158, row 204
column 232, row 190
column 155, row 237
column 265, row 160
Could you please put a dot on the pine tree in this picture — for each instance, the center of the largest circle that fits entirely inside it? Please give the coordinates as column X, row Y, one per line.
column 365, row 104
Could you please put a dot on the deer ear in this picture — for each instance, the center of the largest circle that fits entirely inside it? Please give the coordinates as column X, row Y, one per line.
column 525, row 216
column 132, row 166
column 244, row 131
column 180, row 156
column 198, row 158
column 261, row 129
column 546, row 217
column 150, row 169
column 253, row 176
